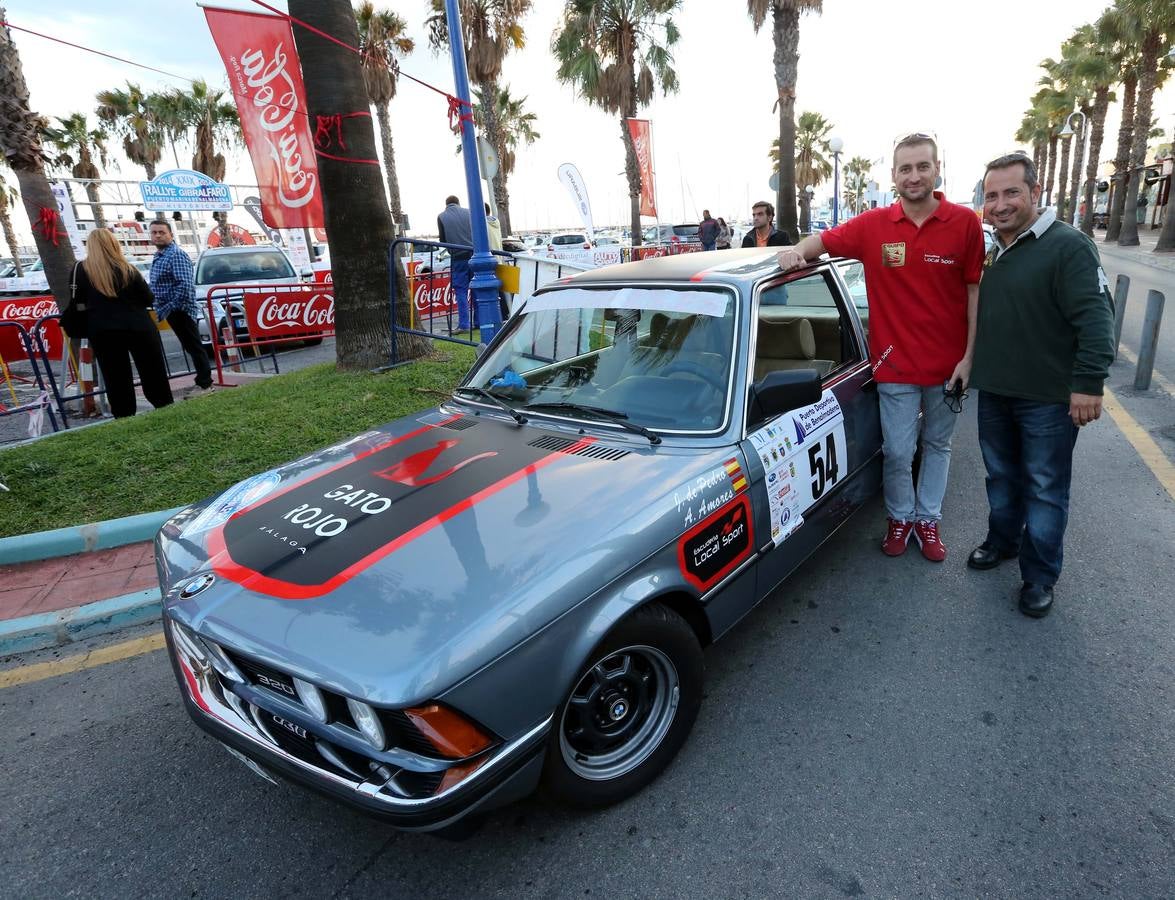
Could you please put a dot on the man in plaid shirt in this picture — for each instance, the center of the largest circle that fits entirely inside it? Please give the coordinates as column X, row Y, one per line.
column 173, row 282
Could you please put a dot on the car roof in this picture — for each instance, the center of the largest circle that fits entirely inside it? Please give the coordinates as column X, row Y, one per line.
column 717, row 265
column 241, row 248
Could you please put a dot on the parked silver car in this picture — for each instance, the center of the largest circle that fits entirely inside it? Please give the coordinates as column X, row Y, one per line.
column 228, row 267
column 431, row 617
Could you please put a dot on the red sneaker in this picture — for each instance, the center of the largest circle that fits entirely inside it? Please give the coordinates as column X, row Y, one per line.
column 897, row 535
column 926, row 533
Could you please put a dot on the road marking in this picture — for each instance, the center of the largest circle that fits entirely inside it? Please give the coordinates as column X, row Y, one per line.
column 1156, row 376
column 100, row 657
column 1155, row 459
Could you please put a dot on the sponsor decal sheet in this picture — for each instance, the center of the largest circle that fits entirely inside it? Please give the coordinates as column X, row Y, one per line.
column 801, row 453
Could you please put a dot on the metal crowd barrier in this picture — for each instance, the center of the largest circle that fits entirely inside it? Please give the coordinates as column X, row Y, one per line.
column 429, row 278
column 42, row 393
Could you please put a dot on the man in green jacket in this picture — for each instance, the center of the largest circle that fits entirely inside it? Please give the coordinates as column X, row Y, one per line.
column 1043, row 350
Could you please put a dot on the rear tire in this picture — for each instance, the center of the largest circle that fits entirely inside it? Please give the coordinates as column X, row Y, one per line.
column 629, row 712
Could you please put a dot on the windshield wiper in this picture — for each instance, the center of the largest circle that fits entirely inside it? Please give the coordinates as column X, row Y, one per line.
column 496, row 400
column 611, row 415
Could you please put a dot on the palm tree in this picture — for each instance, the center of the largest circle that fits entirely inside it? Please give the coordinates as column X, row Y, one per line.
column 598, row 45
column 215, row 121
column 786, row 34
column 811, row 165
column 857, row 172
column 8, row 198
column 76, row 144
column 20, row 147
column 1122, row 155
column 132, row 115
column 492, row 28
column 1158, row 36
column 1097, row 60
column 1056, row 102
column 1034, row 131
column 358, row 223
column 515, row 125
column 382, row 40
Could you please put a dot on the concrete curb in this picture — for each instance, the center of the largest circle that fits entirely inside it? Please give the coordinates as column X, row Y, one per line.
column 83, row 538
column 1144, row 258
column 65, row 626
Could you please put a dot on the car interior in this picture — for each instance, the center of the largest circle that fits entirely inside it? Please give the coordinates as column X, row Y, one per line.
column 800, row 326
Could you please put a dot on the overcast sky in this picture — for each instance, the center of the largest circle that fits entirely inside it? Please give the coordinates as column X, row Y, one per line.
column 875, row 70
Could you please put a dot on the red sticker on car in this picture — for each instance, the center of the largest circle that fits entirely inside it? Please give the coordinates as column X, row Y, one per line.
column 717, row 545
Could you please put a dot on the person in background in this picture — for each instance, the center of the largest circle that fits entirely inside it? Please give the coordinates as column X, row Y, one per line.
column 173, row 282
column 725, row 233
column 1042, row 356
column 708, row 230
column 454, row 227
column 763, row 234
column 118, row 325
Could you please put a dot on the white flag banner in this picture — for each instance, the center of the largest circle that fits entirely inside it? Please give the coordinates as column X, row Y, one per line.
column 573, row 181
column 65, row 207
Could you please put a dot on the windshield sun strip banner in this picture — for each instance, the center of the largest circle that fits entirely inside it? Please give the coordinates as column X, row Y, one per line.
column 706, row 303
column 311, row 538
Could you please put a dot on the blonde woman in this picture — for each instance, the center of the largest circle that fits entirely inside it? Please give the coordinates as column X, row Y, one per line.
column 118, row 326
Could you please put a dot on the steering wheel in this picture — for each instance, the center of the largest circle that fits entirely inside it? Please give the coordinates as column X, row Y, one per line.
column 709, row 376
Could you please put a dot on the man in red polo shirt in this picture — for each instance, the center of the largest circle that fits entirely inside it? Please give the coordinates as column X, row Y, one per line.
column 923, row 257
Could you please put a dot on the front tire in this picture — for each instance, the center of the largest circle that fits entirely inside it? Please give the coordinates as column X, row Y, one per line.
column 629, row 712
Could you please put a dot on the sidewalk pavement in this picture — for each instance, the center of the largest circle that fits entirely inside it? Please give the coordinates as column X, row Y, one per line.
column 1144, row 253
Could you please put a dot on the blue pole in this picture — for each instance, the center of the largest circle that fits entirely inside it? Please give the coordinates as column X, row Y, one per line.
column 485, row 283
column 835, row 189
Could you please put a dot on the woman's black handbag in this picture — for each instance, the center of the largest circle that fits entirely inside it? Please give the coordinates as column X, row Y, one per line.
column 74, row 320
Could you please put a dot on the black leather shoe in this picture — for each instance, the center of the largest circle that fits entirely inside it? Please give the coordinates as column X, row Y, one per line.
column 985, row 556
column 1035, row 600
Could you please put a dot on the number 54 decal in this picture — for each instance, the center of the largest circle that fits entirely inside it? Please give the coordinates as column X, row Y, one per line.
column 826, row 461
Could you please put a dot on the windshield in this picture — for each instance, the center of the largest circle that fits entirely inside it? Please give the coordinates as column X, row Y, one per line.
column 263, row 265
column 661, row 357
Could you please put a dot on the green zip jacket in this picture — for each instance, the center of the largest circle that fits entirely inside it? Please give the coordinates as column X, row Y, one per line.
column 1046, row 321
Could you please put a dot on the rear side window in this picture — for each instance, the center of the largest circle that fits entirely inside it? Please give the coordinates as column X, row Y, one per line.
column 802, row 326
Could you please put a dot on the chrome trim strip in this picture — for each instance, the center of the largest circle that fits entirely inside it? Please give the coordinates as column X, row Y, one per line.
column 211, row 705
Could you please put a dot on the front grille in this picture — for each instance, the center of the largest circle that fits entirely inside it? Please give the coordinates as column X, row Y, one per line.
column 397, row 726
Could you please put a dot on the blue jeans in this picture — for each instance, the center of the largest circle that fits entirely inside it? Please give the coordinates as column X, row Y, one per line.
column 459, row 276
column 900, row 425
column 1028, row 451
column 709, row 246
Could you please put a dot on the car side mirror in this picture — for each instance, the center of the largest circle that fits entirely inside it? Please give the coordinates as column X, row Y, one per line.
column 306, row 272
column 782, row 391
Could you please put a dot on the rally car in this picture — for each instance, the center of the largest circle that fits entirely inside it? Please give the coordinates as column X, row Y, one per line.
column 516, row 586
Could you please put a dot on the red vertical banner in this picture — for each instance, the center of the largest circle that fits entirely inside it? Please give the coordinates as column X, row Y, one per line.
column 642, row 141
column 266, row 80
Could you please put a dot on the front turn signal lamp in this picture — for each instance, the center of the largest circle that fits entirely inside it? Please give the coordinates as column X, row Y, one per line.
column 451, row 733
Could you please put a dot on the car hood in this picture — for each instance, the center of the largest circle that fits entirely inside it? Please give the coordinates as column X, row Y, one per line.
column 394, row 565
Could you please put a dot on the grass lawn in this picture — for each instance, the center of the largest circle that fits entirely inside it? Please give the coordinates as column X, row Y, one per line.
column 194, row 448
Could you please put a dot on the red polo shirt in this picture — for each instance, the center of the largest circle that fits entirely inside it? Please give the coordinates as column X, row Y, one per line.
column 916, row 280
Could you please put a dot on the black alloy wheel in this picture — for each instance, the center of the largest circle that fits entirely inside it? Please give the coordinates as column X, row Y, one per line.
column 629, row 712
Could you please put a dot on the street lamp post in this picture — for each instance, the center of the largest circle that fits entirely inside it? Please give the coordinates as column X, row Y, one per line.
column 484, row 283
column 1064, row 134
column 836, row 145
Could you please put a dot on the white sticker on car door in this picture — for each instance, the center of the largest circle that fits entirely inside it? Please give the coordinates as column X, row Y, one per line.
column 804, row 455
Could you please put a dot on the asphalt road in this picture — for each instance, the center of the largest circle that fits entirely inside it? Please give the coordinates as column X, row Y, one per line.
column 881, row 728
column 1144, row 278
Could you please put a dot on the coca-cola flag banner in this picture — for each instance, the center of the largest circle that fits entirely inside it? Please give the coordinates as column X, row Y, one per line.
column 287, row 311
column 266, row 80
column 642, row 141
